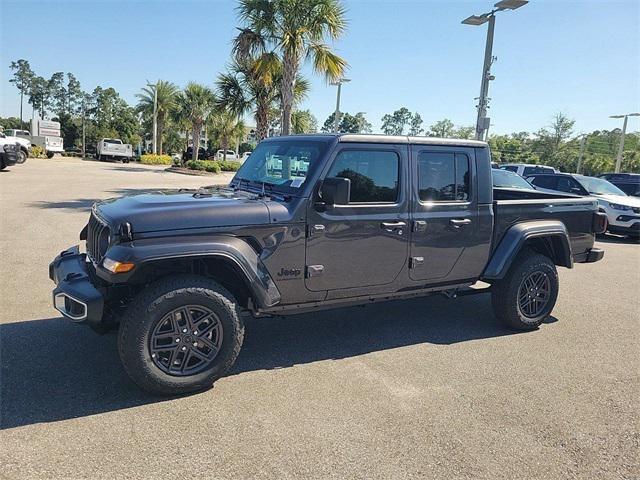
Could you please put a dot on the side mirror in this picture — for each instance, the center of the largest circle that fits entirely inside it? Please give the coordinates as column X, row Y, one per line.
column 335, row 191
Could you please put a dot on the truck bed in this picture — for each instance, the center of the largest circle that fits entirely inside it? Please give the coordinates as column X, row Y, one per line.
column 512, row 206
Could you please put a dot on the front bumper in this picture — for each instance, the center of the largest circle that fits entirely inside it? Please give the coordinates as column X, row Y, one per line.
column 75, row 295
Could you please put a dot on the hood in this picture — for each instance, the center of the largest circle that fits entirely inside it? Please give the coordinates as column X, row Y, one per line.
column 180, row 209
column 621, row 199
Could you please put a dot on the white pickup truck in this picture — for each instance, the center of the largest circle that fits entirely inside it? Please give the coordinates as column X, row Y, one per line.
column 113, row 148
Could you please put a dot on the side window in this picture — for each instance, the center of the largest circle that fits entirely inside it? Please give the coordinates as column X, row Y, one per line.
column 443, row 177
column 545, row 182
column 511, row 168
column 373, row 174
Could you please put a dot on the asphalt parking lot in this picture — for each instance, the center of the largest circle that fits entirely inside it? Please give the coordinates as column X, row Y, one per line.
column 427, row 388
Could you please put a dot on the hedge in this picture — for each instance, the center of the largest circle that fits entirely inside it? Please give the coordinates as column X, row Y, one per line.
column 204, row 165
column 156, row 159
column 215, row 166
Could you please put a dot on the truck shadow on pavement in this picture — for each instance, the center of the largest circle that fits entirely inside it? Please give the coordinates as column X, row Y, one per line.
column 54, row 370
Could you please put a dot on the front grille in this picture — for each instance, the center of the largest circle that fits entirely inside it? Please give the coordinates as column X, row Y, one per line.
column 97, row 238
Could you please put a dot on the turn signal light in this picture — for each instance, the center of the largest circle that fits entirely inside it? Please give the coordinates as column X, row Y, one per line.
column 117, row 267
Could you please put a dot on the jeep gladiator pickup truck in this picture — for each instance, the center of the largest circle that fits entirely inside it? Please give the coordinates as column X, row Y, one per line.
column 309, row 223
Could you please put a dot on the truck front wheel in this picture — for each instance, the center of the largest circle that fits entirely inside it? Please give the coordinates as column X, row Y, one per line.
column 22, row 156
column 525, row 297
column 180, row 335
column 50, row 154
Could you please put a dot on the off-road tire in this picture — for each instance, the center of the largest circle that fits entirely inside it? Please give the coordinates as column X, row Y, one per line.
column 504, row 296
column 150, row 306
column 22, row 156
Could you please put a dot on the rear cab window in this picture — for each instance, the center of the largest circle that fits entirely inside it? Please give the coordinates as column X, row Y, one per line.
column 443, row 177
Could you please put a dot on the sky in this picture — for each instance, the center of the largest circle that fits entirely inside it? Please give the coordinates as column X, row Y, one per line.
column 581, row 58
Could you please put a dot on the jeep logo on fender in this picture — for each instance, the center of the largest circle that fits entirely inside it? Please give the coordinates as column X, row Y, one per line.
column 286, row 272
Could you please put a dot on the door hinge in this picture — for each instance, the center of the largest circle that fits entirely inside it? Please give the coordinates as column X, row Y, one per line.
column 419, row 225
column 314, row 270
column 416, row 262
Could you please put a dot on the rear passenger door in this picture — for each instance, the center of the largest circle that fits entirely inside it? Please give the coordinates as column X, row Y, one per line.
column 445, row 212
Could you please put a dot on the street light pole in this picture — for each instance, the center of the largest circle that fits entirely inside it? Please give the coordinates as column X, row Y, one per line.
column 336, row 115
column 483, row 101
column 624, row 131
column 482, row 122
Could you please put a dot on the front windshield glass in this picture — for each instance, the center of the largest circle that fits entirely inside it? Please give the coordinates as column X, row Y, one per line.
column 598, row 186
column 284, row 164
column 507, row 179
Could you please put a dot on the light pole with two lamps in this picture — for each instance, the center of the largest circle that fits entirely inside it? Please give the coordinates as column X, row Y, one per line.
column 482, row 123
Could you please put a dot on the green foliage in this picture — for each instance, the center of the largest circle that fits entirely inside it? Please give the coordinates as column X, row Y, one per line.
column 150, row 159
column 11, row 122
column 246, row 147
column 348, row 123
column 296, row 30
column 228, row 165
column 204, row 165
column 396, row 122
column 303, row 121
column 163, row 95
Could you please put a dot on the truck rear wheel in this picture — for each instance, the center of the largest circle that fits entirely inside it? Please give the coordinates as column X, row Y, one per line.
column 180, row 335
column 525, row 297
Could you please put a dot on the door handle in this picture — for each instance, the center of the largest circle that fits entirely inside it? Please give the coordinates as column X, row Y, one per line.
column 459, row 222
column 392, row 227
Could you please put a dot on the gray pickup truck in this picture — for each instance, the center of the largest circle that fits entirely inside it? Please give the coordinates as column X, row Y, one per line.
column 309, row 223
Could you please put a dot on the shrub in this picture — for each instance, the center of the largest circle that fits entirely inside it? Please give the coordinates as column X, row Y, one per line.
column 150, row 159
column 204, row 165
column 229, row 165
column 36, row 152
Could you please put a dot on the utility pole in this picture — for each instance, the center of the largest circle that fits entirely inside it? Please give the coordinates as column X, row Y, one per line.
column 582, row 143
column 624, row 131
column 336, row 115
column 482, row 121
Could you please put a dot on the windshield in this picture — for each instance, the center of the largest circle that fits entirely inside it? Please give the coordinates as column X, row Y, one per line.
column 598, row 186
column 113, row 141
column 507, row 179
column 284, row 164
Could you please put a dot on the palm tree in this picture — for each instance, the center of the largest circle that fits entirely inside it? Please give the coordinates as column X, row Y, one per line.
column 255, row 82
column 194, row 105
column 225, row 126
column 296, row 30
column 167, row 93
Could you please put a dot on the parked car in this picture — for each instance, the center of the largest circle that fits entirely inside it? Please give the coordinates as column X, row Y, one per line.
column 525, row 169
column 114, row 149
column 23, row 139
column 629, row 183
column 508, row 179
column 231, row 155
column 370, row 218
column 622, row 210
column 9, row 151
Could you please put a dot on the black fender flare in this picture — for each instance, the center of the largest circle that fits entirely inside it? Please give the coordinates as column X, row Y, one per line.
column 229, row 248
column 515, row 238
